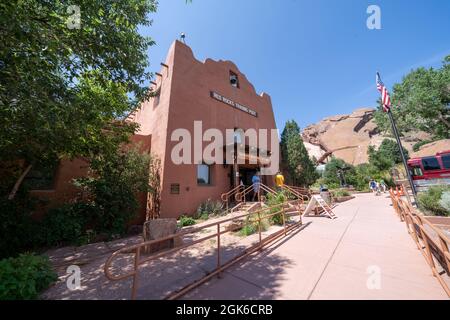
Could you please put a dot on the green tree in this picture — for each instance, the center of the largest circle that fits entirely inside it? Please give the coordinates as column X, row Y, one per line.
column 387, row 155
column 333, row 169
column 421, row 101
column 63, row 84
column 295, row 158
column 113, row 184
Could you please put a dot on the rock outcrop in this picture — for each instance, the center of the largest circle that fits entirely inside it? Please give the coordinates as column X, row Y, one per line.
column 432, row 148
column 348, row 136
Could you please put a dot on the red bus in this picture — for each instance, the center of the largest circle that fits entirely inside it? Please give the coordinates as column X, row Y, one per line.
column 430, row 171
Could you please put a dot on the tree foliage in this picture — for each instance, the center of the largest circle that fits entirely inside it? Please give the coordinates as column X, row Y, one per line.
column 114, row 181
column 295, row 158
column 356, row 176
column 421, row 101
column 387, row 155
column 332, row 168
column 62, row 86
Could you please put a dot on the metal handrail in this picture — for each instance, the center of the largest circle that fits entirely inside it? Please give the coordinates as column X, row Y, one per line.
column 257, row 216
column 415, row 224
column 232, row 193
column 242, row 196
column 298, row 194
column 227, row 195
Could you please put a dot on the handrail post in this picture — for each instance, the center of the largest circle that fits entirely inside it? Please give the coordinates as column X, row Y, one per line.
column 445, row 251
column 259, row 227
column 218, row 249
column 137, row 257
column 284, row 219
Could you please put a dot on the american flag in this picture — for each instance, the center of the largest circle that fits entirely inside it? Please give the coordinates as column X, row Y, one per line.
column 385, row 98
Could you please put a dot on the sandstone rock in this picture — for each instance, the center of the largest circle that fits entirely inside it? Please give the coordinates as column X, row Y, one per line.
column 432, row 148
column 235, row 225
column 349, row 136
column 157, row 229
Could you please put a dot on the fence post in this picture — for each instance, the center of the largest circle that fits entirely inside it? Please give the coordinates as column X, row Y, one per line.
column 218, row 249
column 137, row 257
column 259, row 226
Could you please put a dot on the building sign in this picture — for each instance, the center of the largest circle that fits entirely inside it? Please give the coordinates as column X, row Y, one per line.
column 233, row 104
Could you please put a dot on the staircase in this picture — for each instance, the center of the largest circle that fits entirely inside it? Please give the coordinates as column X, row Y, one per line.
column 247, row 207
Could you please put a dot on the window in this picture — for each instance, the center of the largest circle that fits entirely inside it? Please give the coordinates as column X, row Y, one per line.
column 175, row 188
column 416, row 172
column 203, row 174
column 430, row 163
column 234, row 80
column 446, row 161
column 40, row 177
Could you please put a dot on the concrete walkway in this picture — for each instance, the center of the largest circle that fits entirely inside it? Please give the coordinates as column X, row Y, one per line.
column 364, row 254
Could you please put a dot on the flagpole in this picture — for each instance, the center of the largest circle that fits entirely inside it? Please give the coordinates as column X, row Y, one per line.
column 399, row 143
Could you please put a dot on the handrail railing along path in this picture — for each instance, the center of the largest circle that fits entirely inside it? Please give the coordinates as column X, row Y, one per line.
column 255, row 217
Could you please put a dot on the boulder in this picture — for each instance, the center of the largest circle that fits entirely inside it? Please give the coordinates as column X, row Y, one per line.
column 158, row 229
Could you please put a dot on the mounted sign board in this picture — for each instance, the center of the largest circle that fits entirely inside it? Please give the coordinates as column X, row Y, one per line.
column 233, row 104
column 315, row 201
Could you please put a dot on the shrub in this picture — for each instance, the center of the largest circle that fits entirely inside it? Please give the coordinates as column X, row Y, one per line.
column 186, row 221
column 429, row 201
column 67, row 224
column 115, row 180
column 208, row 208
column 204, row 216
column 416, row 147
column 17, row 230
column 275, row 201
column 251, row 225
column 340, row 193
column 25, row 277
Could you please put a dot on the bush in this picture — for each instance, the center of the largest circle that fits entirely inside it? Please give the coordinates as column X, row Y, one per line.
column 340, row 193
column 209, row 208
column 275, row 202
column 251, row 225
column 17, row 230
column 67, row 224
column 430, row 201
column 25, row 277
column 416, row 147
column 112, row 188
column 387, row 155
column 186, row 221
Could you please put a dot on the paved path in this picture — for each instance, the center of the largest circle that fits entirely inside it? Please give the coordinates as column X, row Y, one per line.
column 335, row 259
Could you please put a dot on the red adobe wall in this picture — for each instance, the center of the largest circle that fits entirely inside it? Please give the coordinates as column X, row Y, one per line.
column 190, row 100
column 64, row 191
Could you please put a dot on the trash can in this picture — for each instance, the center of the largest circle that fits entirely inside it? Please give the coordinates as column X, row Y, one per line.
column 326, row 195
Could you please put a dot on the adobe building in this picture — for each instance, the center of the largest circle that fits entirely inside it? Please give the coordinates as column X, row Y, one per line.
column 187, row 90
column 220, row 96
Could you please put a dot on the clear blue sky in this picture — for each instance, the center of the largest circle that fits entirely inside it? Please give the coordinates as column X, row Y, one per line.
column 315, row 58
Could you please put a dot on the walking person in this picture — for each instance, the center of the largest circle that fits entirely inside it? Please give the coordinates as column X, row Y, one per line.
column 256, row 180
column 377, row 188
column 383, row 186
column 279, row 181
column 372, row 185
